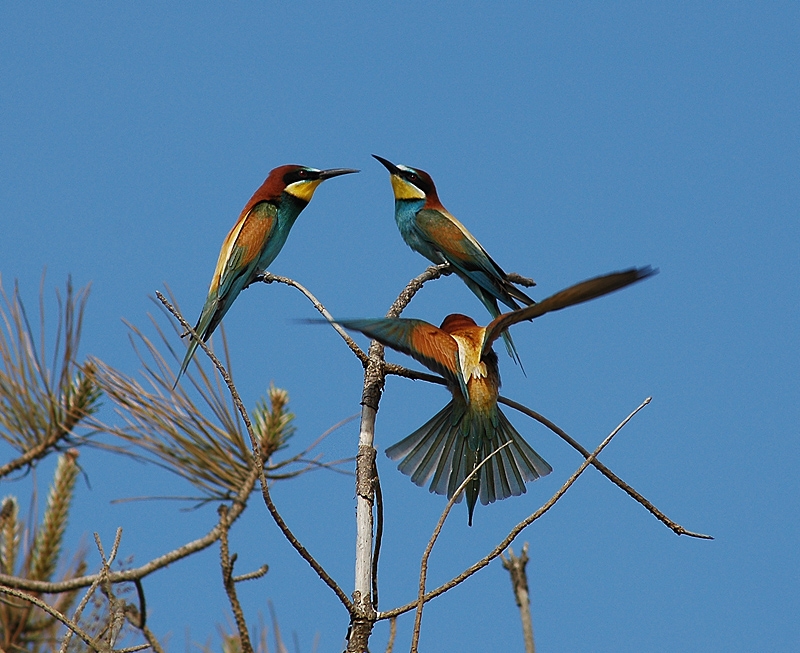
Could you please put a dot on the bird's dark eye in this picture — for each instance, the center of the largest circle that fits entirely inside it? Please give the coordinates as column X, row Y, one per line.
column 302, row 174
column 412, row 176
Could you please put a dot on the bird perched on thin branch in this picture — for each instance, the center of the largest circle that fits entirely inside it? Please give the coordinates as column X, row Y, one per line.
column 450, row 445
column 255, row 240
column 430, row 229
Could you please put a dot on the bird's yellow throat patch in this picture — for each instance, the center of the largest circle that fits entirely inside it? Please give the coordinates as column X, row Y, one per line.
column 404, row 190
column 303, row 190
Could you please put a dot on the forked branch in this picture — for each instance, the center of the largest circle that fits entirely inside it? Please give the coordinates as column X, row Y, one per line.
column 483, row 562
column 258, row 464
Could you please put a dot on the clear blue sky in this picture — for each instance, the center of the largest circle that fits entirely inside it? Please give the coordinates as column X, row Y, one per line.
column 572, row 140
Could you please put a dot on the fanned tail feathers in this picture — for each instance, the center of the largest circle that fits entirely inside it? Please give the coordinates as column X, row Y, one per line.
column 453, row 442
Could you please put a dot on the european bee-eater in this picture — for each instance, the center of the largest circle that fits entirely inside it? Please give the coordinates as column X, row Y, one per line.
column 255, row 240
column 469, row 428
column 430, row 229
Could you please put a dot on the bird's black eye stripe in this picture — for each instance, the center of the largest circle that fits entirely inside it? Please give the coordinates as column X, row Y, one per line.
column 418, row 180
column 297, row 175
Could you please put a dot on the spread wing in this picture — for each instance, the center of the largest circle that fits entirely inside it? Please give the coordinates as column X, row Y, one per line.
column 580, row 292
column 429, row 345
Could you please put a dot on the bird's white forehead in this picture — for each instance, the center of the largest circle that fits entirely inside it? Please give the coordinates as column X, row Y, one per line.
column 406, row 169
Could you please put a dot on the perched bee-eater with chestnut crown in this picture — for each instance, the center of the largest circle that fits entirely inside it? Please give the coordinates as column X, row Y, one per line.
column 468, row 429
column 255, row 240
column 430, row 229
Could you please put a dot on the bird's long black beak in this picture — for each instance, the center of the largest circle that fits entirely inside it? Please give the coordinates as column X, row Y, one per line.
column 391, row 167
column 335, row 172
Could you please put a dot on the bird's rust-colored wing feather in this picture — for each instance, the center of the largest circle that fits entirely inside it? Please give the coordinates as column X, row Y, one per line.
column 243, row 246
column 424, row 342
column 580, row 292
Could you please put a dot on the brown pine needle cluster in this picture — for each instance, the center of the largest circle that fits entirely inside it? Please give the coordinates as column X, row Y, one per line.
column 43, row 397
column 201, row 441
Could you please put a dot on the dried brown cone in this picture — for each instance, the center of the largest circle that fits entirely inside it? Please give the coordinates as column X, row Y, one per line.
column 23, row 626
column 47, row 544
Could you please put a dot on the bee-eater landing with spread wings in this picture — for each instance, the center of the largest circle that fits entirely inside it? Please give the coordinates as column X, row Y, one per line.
column 430, row 229
column 454, row 441
column 255, row 240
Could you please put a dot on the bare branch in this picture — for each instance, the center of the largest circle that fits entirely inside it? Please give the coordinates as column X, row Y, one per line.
column 519, row 583
column 258, row 464
column 423, row 567
column 238, row 505
column 138, row 618
column 518, row 279
column 252, row 575
column 605, row 471
column 362, row 617
column 392, row 634
column 378, row 535
column 517, row 529
column 226, row 562
column 412, row 288
column 399, row 370
column 268, row 277
column 95, row 646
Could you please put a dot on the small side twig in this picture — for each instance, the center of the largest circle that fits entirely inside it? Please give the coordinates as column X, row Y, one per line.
column 115, row 609
column 101, row 577
column 413, row 287
column 392, row 634
column 226, row 563
column 137, row 617
column 252, row 575
column 518, row 279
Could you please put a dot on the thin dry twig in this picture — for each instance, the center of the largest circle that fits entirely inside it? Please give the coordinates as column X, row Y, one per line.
column 423, row 567
column 226, row 563
column 73, row 627
column 399, row 370
column 518, row 279
column 378, row 535
column 431, row 273
column 517, row 529
column 268, row 277
column 252, row 575
column 257, row 460
column 237, row 507
column 105, row 567
column 138, row 618
column 605, row 471
column 392, row 634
